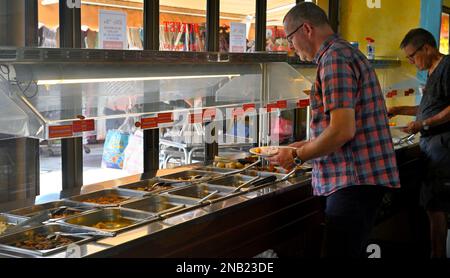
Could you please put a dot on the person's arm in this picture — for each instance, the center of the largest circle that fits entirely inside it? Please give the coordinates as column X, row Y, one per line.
column 298, row 144
column 403, row 110
column 342, row 129
column 438, row 119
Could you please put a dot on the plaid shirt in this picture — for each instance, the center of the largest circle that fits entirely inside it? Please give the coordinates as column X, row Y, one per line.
column 345, row 79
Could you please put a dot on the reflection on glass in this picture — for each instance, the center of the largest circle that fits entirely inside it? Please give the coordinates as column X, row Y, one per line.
column 275, row 35
column 109, row 24
column 237, row 26
column 116, row 150
column 51, row 169
column 48, row 18
column 182, row 25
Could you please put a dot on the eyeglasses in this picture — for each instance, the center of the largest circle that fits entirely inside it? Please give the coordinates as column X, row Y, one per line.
column 411, row 56
column 288, row 37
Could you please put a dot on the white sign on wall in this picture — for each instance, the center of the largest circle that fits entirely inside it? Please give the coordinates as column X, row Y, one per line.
column 112, row 30
column 238, row 37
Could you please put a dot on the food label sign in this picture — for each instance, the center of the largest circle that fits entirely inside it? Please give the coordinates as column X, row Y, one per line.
column 113, row 30
column 238, row 37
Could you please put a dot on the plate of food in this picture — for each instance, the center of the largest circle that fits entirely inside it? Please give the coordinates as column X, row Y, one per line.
column 268, row 151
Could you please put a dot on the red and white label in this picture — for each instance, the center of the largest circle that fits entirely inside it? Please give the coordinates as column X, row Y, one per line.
column 147, row 123
column 165, row 118
column 272, row 106
column 195, row 118
column 282, row 104
column 60, row 131
column 83, row 125
column 209, row 114
column 248, row 106
column 303, row 103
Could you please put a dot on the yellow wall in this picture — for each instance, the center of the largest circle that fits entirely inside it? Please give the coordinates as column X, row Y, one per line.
column 387, row 25
column 324, row 4
column 446, row 3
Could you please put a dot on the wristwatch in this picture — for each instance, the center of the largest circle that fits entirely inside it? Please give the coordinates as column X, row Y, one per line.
column 297, row 160
column 425, row 126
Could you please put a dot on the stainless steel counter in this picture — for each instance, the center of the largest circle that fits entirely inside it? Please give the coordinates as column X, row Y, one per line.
column 160, row 223
column 236, row 225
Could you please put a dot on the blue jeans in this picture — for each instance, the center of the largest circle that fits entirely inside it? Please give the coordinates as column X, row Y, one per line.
column 350, row 215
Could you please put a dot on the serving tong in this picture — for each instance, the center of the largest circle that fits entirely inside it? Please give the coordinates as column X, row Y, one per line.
column 406, row 139
column 198, row 178
column 56, row 235
column 34, row 220
column 208, row 196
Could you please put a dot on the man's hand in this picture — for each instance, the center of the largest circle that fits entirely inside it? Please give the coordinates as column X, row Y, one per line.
column 283, row 158
column 413, row 127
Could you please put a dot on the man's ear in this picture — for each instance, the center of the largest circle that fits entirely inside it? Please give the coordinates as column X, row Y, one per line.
column 308, row 29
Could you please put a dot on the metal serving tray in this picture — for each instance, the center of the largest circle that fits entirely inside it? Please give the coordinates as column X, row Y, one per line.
column 53, row 206
column 126, row 195
column 232, row 181
column 114, row 214
column 214, row 169
column 200, row 191
column 11, row 219
column 7, row 242
column 160, row 204
column 180, row 176
column 255, row 173
column 146, row 186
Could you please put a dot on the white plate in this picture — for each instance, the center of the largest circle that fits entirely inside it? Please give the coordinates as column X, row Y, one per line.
column 268, row 151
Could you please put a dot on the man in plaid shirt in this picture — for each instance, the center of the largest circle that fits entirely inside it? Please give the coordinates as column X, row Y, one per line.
column 351, row 145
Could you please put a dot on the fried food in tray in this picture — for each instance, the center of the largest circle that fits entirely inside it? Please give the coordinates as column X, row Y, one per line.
column 189, row 178
column 41, row 242
column 114, row 225
column 154, row 188
column 241, row 163
column 8, row 220
column 66, row 213
column 3, row 226
column 106, row 200
column 269, row 168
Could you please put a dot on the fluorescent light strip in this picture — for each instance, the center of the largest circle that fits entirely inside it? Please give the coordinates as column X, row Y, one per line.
column 103, row 80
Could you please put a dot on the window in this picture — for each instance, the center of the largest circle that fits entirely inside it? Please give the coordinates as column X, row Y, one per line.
column 275, row 35
column 237, row 26
column 48, row 18
column 108, row 24
column 182, row 25
column 444, row 42
column 49, row 150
